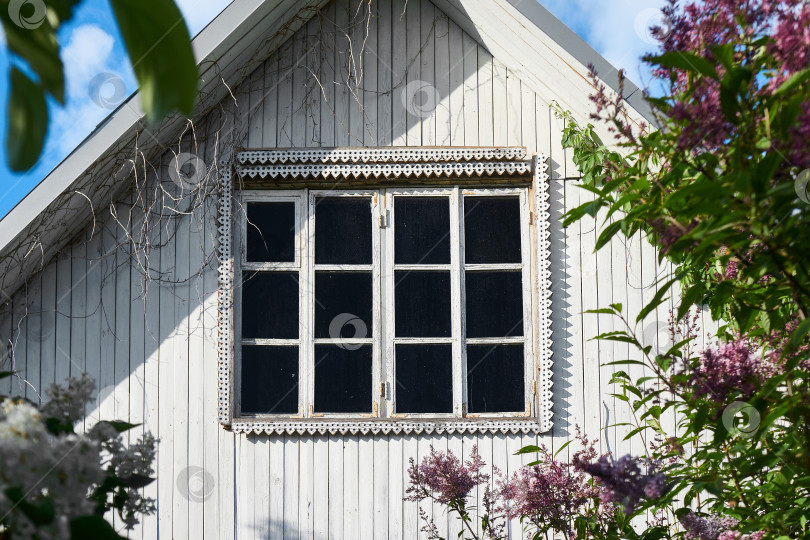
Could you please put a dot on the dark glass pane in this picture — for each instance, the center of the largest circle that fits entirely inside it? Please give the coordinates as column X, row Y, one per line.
column 270, row 232
column 495, row 376
column 343, row 378
column 491, row 230
column 424, row 379
column 422, row 302
column 343, row 230
column 494, row 304
column 343, row 304
column 270, row 305
column 422, row 230
column 269, row 380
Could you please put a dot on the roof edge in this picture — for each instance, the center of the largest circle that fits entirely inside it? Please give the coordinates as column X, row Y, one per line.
column 577, row 47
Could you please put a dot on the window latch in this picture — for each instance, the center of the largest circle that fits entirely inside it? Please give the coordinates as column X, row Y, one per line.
column 383, row 390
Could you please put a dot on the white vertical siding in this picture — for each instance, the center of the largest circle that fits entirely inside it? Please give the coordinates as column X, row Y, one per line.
column 151, row 346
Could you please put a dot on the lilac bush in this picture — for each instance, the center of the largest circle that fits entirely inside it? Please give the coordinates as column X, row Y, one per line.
column 549, row 495
column 719, row 187
column 443, row 478
column 581, row 499
column 56, row 483
column 733, row 368
column 626, row 481
column 708, row 528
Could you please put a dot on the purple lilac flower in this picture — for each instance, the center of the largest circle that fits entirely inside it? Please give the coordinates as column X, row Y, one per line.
column 709, row 528
column 549, row 494
column 626, row 481
column 443, row 477
column 732, row 269
column 776, row 344
column 731, row 367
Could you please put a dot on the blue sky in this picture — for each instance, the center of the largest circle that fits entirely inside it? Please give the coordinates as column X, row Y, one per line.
column 98, row 74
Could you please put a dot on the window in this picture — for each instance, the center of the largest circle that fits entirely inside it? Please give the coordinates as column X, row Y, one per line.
column 388, row 303
column 382, row 308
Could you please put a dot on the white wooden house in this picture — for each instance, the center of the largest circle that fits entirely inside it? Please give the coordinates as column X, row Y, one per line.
column 353, row 253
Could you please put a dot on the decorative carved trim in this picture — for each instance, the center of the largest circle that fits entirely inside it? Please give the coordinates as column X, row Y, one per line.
column 225, row 294
column 380, row 155
column 388, row 170
column 310, row 427
column 543, row 273
column 408, row 162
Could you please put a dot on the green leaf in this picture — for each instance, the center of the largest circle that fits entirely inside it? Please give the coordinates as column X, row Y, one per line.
column 562, row 448
column 798, row 334
column 94, row 527
column 763, row 144
column 137, row 481
column 685, row 61
column 693, row 295
column 656, row 301
column 724, row 54
column 41, row 512
column 600, row 311
column 530, row 449
column 730, row 88
column 625, row 363
column 159, row 47
column 793, row 81
column 121, row 426
column 27, row 122
column 607, row 234
column 58, row 425
column 38, row 46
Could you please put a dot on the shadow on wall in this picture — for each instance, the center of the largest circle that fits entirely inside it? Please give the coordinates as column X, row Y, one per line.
column 564, row 276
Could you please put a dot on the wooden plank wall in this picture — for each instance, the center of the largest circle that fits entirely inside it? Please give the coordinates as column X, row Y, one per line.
column 153, row 349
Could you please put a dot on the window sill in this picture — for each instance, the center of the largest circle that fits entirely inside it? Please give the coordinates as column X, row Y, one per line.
column 384, row 427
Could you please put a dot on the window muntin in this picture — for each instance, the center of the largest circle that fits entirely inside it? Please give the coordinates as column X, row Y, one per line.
column 360, row 356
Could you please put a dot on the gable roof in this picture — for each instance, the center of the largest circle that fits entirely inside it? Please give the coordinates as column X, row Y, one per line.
column 522, row 34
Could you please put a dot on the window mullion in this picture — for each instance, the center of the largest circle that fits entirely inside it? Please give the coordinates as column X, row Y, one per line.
column 457, row 300
column 387, row 300
column 308, row 304
column 377, row 310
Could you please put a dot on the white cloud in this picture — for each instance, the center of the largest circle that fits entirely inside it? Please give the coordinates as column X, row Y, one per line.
column 86, row 54
column 97, row 80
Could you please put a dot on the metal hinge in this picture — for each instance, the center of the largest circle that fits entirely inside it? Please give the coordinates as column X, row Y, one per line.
column 383, row 390
column 531, row 218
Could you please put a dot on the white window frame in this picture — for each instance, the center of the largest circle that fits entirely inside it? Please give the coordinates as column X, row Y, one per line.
column 457, row 269
column 536, row 417
column 240, row 239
